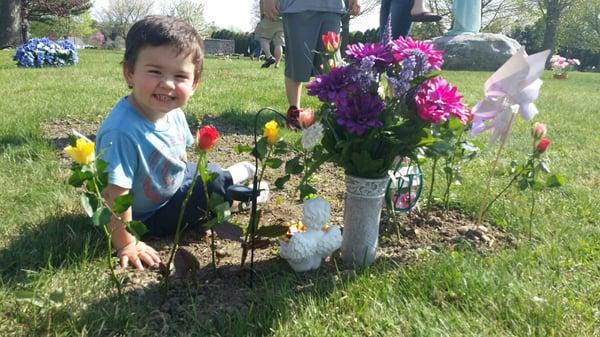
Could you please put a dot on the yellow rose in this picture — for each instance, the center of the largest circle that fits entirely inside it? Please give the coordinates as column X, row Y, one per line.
column 82, row 153
column 271, row 132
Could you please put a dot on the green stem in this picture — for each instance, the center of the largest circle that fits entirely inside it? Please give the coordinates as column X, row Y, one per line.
column 433, row 169
column 532, row 161
column 202, row 165
column 515, row 177
column 109, row 260
column 108, row 235
column 180, row 218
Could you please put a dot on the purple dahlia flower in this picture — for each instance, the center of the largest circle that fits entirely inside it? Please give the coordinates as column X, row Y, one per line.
column 358, row 111
column 380, row 55
column 327, row 86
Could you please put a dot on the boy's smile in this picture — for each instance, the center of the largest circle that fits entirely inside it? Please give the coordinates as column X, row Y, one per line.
column 162, row 81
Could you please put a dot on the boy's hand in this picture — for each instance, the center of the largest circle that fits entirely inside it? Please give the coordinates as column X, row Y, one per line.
column 138, row 253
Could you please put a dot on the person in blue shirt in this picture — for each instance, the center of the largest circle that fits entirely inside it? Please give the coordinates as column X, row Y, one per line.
column 144, row 138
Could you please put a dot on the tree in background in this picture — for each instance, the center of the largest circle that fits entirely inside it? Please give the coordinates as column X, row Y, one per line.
column 9, row 24
column 190, row 12
column 40, row 10
column 119, row 15
column 57, row 26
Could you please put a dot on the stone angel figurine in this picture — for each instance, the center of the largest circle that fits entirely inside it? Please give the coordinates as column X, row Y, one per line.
column 308, row 243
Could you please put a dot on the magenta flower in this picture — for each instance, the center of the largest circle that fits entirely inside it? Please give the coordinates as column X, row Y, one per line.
column 437, row 100
column 406, row 47
column 376, row 51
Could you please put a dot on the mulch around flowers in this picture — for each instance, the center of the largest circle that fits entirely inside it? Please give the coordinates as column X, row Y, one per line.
column 404, row 239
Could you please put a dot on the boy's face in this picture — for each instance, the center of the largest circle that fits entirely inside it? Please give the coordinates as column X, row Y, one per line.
column 161, row 81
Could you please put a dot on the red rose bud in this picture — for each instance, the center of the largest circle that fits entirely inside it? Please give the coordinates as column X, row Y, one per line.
column 206, row 137
column 331, row 41
column 543, row 145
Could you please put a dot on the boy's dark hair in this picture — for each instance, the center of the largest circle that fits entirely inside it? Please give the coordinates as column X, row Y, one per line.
column 156, row 30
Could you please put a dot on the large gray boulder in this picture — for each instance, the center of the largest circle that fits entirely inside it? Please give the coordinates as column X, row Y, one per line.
column 481, row 51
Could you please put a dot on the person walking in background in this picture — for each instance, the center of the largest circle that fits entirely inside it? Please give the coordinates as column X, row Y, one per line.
column 397, row 16
column 304, row 22
column 254, row 49
column 267, row 31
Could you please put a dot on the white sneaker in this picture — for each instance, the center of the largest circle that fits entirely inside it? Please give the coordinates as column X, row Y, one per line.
column 241, row 171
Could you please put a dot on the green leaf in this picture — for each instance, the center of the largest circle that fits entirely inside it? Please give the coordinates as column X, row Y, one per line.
column 223, row 212
column 555, row 180
column 306, row 190
column 273, row 163
column 78, row 177
column 214, row 201
column 243, row 148
column 210, row 223
column 122, row 203
column 293, row 166
column 280, row 182
column 524, row 184
column 87, row 207
column 260, row 150
column 272, row 231
column 211, row 176
column 137, row 229
column 101, row 217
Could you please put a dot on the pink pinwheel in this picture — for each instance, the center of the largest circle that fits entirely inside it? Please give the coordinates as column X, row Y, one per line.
column 510, row 90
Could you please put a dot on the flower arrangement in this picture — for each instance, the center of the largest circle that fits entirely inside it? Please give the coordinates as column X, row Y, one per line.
column 561, row 65
column 43, row 52
column 379, row 104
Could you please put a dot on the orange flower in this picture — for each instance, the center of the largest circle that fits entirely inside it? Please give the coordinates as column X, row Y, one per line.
column 306, row 117
column 206, row 137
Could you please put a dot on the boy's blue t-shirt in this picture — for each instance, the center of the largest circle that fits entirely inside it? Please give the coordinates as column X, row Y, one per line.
column 147, row 159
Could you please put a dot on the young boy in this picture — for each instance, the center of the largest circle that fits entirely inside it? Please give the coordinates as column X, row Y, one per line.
column 144, row 138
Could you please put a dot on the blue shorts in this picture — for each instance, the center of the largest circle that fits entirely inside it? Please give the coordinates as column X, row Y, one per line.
column 164, row 221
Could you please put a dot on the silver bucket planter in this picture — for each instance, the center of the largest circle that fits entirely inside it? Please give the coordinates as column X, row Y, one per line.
column 362, row 213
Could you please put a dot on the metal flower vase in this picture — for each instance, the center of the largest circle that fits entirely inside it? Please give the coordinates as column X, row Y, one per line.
column 362, row 213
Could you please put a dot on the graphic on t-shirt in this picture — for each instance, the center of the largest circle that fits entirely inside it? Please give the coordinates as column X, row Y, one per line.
column 166, row 170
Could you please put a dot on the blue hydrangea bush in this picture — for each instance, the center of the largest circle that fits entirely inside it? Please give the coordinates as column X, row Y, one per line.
column 43, row 52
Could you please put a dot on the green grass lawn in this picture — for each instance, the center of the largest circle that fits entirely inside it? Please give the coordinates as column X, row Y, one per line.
column 547, row 288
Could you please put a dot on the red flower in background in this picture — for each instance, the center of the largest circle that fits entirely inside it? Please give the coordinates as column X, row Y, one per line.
column 331, row 41
column 206, row 137
column 543, row 145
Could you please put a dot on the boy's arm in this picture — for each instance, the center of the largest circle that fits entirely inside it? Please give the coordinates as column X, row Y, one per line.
column 128, row 250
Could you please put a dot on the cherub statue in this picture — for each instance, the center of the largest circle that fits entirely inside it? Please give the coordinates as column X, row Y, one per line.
column 308, row 243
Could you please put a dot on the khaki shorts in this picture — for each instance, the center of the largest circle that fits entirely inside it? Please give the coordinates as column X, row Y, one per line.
column 270, row 30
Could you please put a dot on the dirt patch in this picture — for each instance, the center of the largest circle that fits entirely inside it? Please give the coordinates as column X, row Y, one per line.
column 404, row 237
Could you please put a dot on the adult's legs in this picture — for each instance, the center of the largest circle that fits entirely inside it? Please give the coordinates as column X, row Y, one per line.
column 418, row 7
column 264, row 44
column 400, row 13
column 277, row 52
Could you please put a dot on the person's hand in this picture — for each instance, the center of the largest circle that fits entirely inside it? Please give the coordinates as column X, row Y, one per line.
column 353, row 8
column 270, row 10
column 138, row 253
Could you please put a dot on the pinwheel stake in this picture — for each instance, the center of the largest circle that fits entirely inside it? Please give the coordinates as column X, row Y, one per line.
column 510, row 90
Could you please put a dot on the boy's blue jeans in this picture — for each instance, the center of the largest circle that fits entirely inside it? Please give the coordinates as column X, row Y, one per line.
column 399, row 10
column 164, row 221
